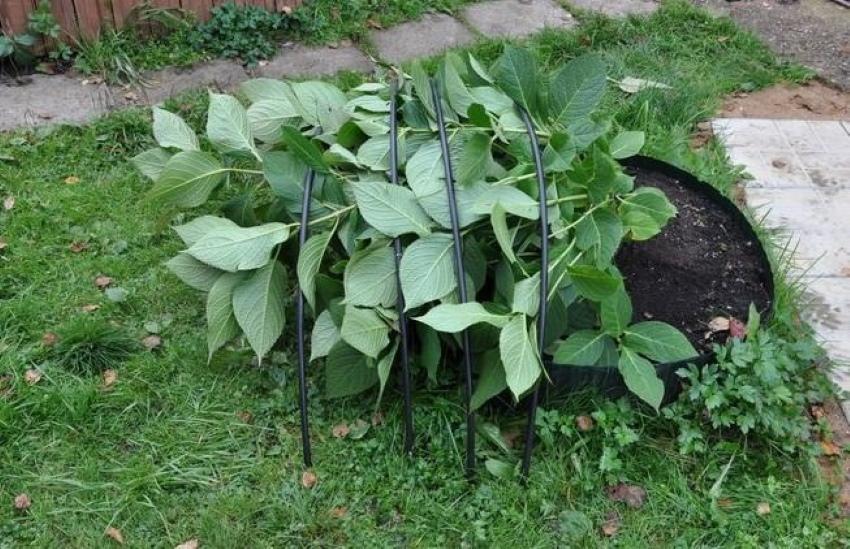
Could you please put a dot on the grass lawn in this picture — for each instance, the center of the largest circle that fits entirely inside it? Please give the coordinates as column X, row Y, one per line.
column 179, row 449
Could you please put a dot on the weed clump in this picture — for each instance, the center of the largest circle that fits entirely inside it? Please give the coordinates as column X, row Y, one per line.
column 87, row 346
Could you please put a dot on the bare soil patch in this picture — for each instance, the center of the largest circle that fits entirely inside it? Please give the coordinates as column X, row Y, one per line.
column 812, row 101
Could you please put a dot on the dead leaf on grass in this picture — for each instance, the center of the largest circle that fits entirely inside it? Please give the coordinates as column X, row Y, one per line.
column 817, row 411
column 109, row 376
column 32, row 376
column 8, row 202
column 763, row 508
column 340, row 431
column 90, row 308
column 49, row 339
column 718, row 324
column 102, row 281
column 584, row 423
column 78, row 246
column 189, row 544
column 632, row 495
column 377, row 419
column 245, row 416
column 339, row 512
column 22, row 502
column 724, row 502
column 152, row 342
column 308, row 479
column 115, row 534
column 373, row 23
column 611, row 525
column 630, row 84
column 830, row 448
column 72, row 180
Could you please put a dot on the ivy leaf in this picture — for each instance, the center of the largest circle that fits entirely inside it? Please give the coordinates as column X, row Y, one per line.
column 456, row 317
column 577, row 88
column 304, row 149
column 151, row 162
column 187, row 180
column 258, row 306
column 491, row 380
column 221, row 322
column 227, row 125
column 170, row 130
column 616, row 313
column 369, row 277
column 427, row 270
column 267, row 117
column 593, row 283
column 640, row 377
column 391, row 209
column 309, row 260
column 519, row 356
column 348, row 372
column 626, row 144
column 193, row 272
column 581, row 348
column 659, row 341
column 364, row 330
column 199, row 227
column 516, row 73
column 239, row 248
column 324, row 336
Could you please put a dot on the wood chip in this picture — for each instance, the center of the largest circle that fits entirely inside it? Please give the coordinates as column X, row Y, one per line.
column 308, row 479
column 8, row 202
column 115, row 534
column 22, row 502
column 584, row 423
column 763, row 508
column 341, row 430
column 32, row 376
column 102, row 281
column 109, row 377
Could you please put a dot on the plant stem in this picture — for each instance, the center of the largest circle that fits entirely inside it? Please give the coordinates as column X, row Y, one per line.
column 334, row 214
column 566, row 228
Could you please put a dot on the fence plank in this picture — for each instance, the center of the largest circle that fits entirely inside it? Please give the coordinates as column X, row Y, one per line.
column 63, row 11
column 120, row 10
column 14, row 15
column 88, row 18
column 201, row 8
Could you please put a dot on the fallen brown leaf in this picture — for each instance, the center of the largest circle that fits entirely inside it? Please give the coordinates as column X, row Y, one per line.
column 377, row 419
column 49, row 339
column 9, row 202
column 611, row 525
column 737, row 328
column 373, row 23
column 115, row 534
column 22, row 502
column 109, row 376
column 719, row 324
column 32, row 376
column 72, row 180
column 152, row 342
column 763, row 508
column 584, row 423
column 510, row 437
column 189, row 544
column 78, row 247
column 341, row 430
column 817, row 411
column 102, row 281
column 339, row 512
column 286, row 9
column 90, row 308
column 830, row 448
column 724, row 502
column 308, row 479
column 632, row 495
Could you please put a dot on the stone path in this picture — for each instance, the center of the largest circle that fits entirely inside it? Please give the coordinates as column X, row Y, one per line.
column 801, row 185
column 61, row 99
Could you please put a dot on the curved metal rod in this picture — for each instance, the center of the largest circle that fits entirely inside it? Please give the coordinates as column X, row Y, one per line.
column 402, row 316
column 306, row 450
column 461, row 279
column 544, row 288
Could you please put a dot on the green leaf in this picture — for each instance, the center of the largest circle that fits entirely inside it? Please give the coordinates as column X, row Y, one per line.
column 303, row 149
column 337, row 154
column 170, row 130
column 364, row 330
column 651, row 202
column 384, row 366
column 193, row 272
column 427, row 270
column 581, row 348
column 493, row 100
column 321, row 104
column 519, row 356
column 199, row 227
column 626, row 144
column 369, row 277
column 584, row 132
column 187, row 180
column 601, row 231
column 659, row 341
column 430, row 350
column 616, row 313
column 478, row 69
column 348, row 372
column 457, row 317
column 309, row 260
column 258, row 306
column 593, row 283
column 239, row 248
column 640, row 377
column 527, row 295
column 753, row 321
column 324, row 336
column 221, row 322
column 456, row 91
column 369, row 103
column 391, row 209
column 503, row 234
column 267, row 117
column 559, row 153
column 474, row 159
column 420, row 85
column 491, row 380
column 227, row 125
column 516, row 73
column 374, row 153
column 511, row 199
column 151, row 162
column 265, row 89
column 577, row 88
column 639, row 225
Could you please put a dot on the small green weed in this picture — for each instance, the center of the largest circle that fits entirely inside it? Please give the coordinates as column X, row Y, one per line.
column 247, row 32
column 88, row 345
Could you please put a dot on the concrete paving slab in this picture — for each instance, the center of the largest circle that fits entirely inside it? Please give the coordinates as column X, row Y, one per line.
column 315, row 61
column 52, row 100
column 430, row 35
column 220, row 75
column 516, row 18
column 617, row 8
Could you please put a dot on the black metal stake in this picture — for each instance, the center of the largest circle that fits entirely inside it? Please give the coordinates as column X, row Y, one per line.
column 299, row 319
column 461, row 279
column 402, row 316
column 544, row 288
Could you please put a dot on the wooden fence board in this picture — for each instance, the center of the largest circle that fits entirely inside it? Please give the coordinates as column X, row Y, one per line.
column 88, row 18
column 63, row 11
column 14, row 15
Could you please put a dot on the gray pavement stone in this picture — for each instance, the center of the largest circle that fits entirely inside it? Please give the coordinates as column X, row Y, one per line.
column 430, row 35
column 516, row 18
column 617, row 8
column 52, row 100
column 319, row 61
column 221, row 75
